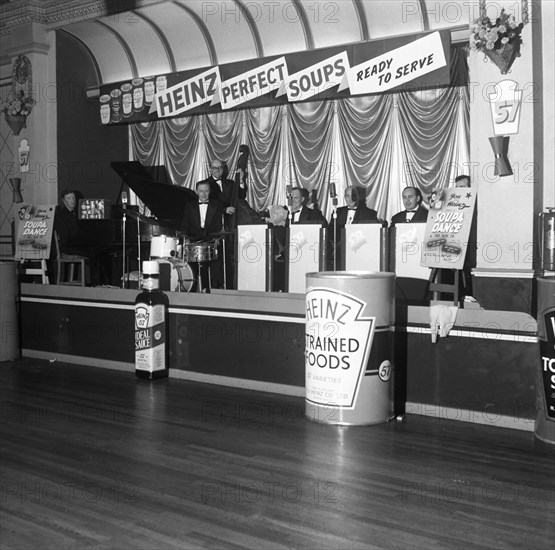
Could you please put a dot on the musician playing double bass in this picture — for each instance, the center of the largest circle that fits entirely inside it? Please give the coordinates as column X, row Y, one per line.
column 231, row 194
column 227, row 191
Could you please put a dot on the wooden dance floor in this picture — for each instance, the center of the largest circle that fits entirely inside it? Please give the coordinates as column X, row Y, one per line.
column 94, row 458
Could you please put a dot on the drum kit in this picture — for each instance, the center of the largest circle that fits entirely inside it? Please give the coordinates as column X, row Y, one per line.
column 178, row 253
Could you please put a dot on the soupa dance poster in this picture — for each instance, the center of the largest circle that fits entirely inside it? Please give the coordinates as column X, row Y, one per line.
column 448, row 227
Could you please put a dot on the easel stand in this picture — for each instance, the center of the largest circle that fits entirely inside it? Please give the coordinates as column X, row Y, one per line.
column 123, row 251
column 334, row 243
column 436, row 287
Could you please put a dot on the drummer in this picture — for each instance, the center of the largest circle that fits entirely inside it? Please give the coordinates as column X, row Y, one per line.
column 201, row 219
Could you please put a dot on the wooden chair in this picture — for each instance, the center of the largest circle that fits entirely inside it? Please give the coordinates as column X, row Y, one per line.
column 36, row 268
column 75, row 274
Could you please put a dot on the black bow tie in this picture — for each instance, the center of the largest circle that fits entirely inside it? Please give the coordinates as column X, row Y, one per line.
column 203, row 202
column 354, row 208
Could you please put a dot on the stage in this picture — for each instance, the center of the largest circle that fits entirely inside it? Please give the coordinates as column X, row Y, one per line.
column 483, row 372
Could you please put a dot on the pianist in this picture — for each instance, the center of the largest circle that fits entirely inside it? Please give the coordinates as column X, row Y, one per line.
column 70, row 238
column 66, row 224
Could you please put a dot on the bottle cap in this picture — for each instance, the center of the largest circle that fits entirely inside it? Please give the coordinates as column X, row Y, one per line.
column 151, row 268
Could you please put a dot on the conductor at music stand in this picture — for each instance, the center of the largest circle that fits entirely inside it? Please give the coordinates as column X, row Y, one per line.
column 201, row 220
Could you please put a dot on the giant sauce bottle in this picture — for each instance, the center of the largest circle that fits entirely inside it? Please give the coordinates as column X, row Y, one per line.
column 151, row 326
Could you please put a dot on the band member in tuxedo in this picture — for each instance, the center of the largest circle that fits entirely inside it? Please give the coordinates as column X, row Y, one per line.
column 300, row 212
column 71, row 237
column 354, row 212
column 201, row 220
column 229, row 193
column 414, row 211
column 223, row 190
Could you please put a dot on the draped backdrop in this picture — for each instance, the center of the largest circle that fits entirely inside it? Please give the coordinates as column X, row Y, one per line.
column 382, row 143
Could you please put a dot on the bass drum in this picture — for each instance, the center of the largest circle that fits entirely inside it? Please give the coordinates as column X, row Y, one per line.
column 181, row 275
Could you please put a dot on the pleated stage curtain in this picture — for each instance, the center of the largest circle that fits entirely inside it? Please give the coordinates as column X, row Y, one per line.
column 382, row 143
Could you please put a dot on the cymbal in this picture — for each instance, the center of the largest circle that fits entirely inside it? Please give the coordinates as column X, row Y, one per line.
column 140, row 217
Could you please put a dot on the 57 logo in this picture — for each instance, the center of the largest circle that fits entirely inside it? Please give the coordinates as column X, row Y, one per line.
column 505, row 104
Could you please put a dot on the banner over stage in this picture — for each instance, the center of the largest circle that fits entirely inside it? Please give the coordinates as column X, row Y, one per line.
column 402, row 63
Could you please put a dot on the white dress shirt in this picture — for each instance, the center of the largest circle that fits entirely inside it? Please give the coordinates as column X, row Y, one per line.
column 203, row 207
column 410, row 214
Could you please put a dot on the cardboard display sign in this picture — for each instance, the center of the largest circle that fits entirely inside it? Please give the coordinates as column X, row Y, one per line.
column 448, row 228
column 362, row 247
column 34, row 232
column 407, row 251
column 251, row 257
column 304, row 254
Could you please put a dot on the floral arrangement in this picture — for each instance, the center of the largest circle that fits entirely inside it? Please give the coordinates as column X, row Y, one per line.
column 487, row 35
column 20, row 105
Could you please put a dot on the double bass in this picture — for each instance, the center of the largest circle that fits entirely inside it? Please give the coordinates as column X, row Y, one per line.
column 244, row 214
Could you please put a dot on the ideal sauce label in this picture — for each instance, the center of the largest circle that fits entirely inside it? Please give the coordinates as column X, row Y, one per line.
column 150, row 337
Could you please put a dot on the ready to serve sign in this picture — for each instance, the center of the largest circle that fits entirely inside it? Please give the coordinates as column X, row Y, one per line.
column 337, row 347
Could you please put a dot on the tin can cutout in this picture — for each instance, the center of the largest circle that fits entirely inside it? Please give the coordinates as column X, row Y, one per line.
column 115, row 100
column 544, row 426
column 138, row 94
column 150, row 89
column 161, row 84
column 127, row 99
column 349, row 347
column 105, row 109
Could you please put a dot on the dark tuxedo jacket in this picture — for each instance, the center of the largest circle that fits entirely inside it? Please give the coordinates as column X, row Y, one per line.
column 363, row 214
column 190, row 224
column 67, row 226
column 309, row 215
column 421, row 215
column 224, row 195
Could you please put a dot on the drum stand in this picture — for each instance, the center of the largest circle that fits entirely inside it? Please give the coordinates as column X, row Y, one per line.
column 123, row 220
column 200, row 289
column 139, row 252
column 334, row 216
column 224, row 262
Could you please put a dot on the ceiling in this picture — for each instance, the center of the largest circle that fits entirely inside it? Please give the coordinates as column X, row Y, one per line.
column 134, row 38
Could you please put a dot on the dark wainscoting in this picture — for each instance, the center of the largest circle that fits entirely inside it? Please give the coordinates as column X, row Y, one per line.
column 484, row 371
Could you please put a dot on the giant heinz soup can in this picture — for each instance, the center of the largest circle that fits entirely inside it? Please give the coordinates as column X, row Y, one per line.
column 349, row 347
